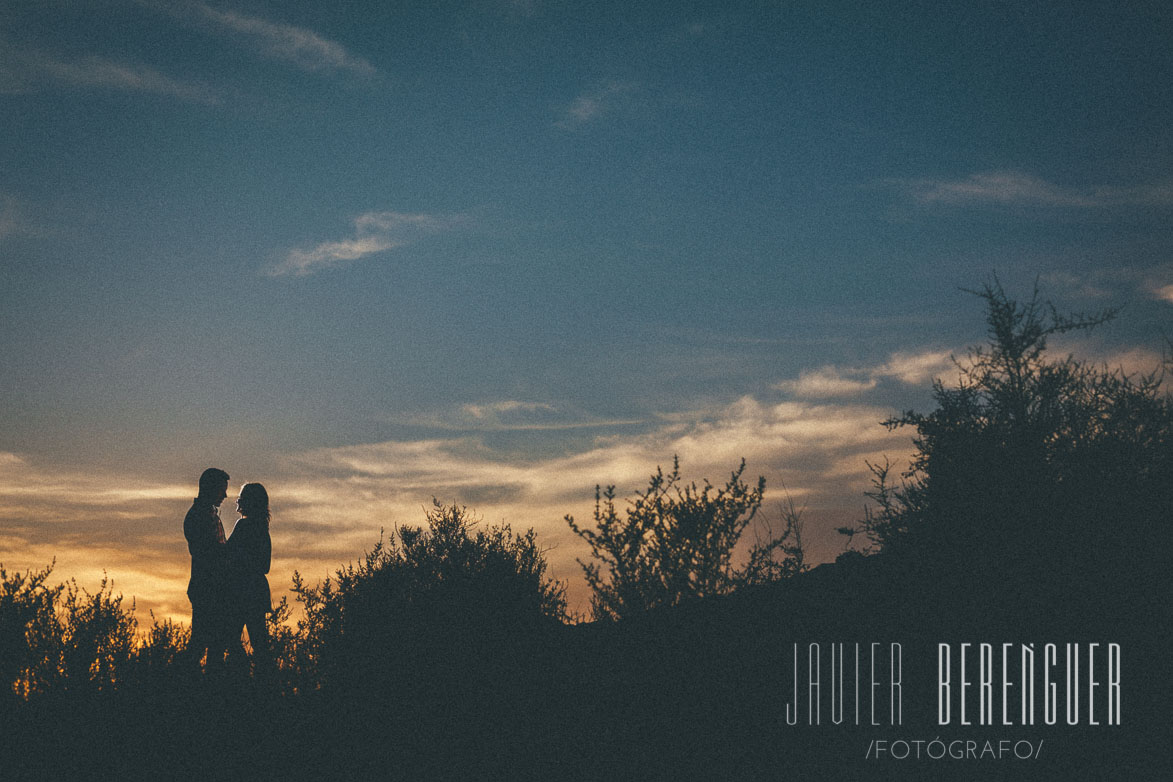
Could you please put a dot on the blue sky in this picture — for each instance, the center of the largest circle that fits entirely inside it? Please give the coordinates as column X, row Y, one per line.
column 502, row 251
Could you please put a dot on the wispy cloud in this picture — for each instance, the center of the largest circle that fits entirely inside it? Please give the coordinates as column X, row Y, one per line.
column 1095, row 285
column 505, row 406
column 397, row 221
column 1000, row 187
column 917, row 368
column 515, row 415
column 375, row 232
column 826, row 382
column 510, row 415
column 300, row 46
column 1164, row 293
column 594, row 104
column 1136, row 361
column 302, row 262
column 830, row 382
column 1016, row 188
column 1121, row 282
column 26, row 70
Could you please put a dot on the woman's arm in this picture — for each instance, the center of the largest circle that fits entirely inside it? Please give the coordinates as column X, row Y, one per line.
column 266, row 553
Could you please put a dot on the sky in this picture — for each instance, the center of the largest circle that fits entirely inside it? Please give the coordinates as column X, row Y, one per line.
column 498, row 252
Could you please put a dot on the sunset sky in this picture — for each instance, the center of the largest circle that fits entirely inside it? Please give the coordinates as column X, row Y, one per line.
column 499, row 252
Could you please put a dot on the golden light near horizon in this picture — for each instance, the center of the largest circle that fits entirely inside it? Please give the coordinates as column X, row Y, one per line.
column 330, row 505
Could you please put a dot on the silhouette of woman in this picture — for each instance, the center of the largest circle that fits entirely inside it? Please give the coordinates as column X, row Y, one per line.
column 250, row 552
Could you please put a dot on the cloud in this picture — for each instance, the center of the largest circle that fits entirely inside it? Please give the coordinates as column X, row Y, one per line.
column 1016, row 188
column 830, row 382
column 1095, row 285
column 393, row 221
column 509, row 416
column 827, row 382
column 506, row 406
column 593, row 105
column 300, row 46
column 1120, row 282
column 1136, row 361
column 303, row 262
column 28, row 70
column 1002, row 187
column 917, row 368
column 515, row 415
column 375, row 232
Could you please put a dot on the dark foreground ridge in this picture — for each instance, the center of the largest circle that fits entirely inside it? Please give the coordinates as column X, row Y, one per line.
column 691, row 692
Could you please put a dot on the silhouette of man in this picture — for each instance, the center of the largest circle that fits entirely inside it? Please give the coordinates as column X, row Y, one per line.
column 207, row 589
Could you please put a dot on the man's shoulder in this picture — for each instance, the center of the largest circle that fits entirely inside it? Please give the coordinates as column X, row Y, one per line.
column 199, row 512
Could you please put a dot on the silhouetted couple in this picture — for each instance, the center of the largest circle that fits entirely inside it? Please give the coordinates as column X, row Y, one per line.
column 228, row 588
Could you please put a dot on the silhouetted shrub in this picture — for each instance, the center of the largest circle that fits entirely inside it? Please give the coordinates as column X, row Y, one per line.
column 284, row 642
column 29, row 636
column 1032, row 464
column 162, row 649
column 434, row 596
column 97, row 637
column 63, row 637
column 678, row 541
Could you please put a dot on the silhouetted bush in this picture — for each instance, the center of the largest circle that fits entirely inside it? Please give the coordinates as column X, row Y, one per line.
column 64, row 639
column 97, row 637
column 678, row 541
column 29, row 635
column 431, row 596
column 162, row 650
column 1032, row 465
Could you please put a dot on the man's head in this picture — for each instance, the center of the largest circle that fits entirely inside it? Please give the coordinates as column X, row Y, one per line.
column 214, row 485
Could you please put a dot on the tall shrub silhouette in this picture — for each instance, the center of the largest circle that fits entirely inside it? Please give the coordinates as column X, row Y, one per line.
column 677, row 541
column 426, row 596
column 29, row 637
column 162, row 648
column 58, row 638
column 62, row 637
column 1031, row 464
column 97, row 637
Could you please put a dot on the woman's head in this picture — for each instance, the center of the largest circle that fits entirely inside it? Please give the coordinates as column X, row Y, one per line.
column 253, row 501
